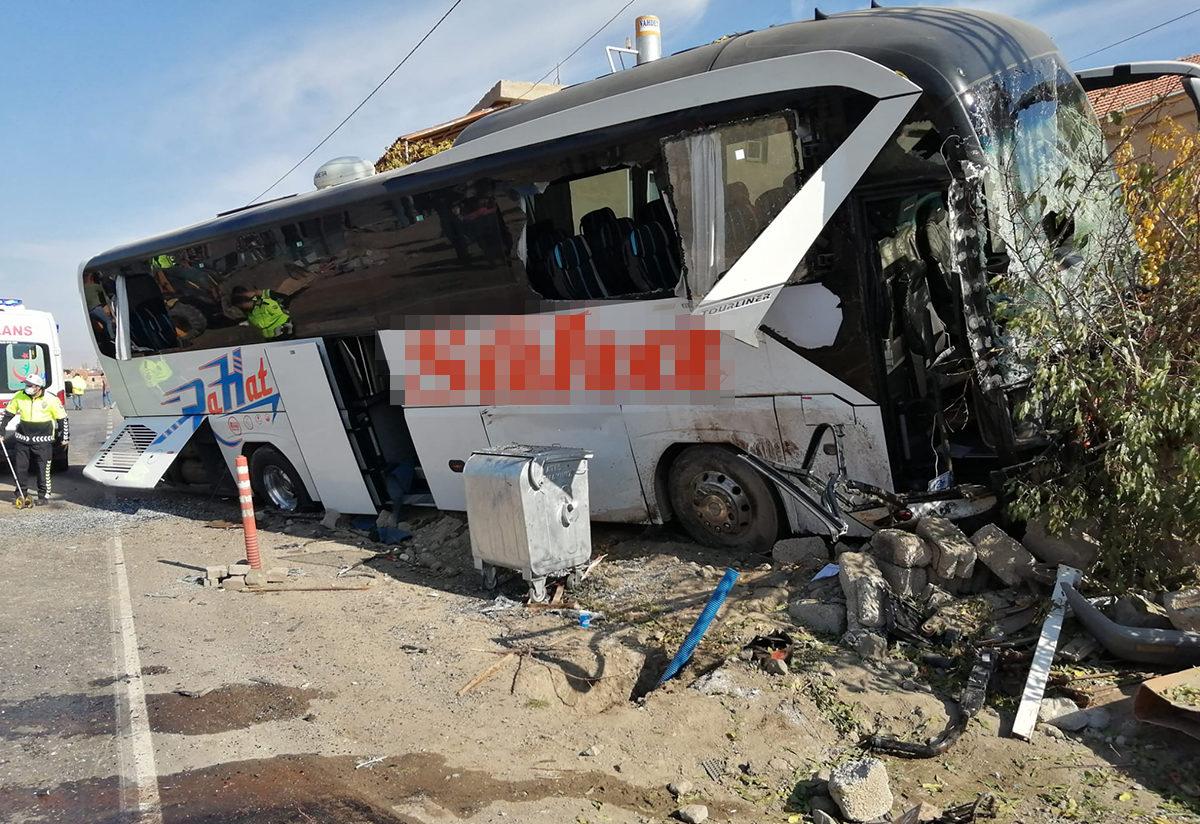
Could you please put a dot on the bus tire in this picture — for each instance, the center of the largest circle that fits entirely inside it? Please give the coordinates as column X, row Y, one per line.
column 275, row 482
column 721, row 501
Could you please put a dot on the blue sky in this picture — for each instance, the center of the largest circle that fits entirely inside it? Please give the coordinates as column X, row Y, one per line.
column 125, row 119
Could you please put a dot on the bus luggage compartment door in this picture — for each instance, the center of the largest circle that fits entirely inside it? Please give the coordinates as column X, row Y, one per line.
column 138, row 454
column 303, row 385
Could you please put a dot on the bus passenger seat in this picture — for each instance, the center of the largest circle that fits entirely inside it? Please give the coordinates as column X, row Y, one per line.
column 606, row 237
column 573, row 272
column 649, row 253
column 542, row 237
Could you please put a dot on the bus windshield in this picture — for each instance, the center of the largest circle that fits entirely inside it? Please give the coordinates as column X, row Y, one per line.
column 1054, row 200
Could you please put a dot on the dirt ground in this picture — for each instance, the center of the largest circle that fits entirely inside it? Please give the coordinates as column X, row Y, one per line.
column 349, row 706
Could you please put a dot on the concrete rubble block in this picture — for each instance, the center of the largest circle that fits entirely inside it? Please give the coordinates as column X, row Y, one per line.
column 216, row 573
column 905, row 581
column 692, row 814
column 386, row 519
column 1002, row 554
column 819, row 617
column 865, row 588
column 822, row 817
column 1183, row 608
column 1062, row 713
column 902, row 548
column 277, row 575
column 235, row 583
column 678, row 788
column 861, row 789
column 871, row 646
column 1136, row 610
column 256, row 578
column 953, row 553
column 1076, row 547
column 239, row 568
column 799, row 550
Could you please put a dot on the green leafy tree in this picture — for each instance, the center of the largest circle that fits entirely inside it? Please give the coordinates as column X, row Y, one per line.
column 1102, row 310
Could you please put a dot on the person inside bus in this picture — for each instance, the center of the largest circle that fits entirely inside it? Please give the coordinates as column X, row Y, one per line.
column 263, row 311
column 99, row 307
column 41, row 420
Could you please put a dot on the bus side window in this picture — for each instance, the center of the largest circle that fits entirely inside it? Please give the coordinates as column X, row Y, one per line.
column 729, row 182
column 151, row 329
column 602, row 235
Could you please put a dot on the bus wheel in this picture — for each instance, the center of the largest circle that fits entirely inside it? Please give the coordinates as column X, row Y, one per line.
column 276, row 482
column 721, row 501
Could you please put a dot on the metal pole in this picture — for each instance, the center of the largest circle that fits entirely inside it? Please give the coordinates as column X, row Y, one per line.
column 246, row 497
column 7, row 460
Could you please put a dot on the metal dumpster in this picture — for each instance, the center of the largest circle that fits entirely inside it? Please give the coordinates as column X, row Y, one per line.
column 527, row 509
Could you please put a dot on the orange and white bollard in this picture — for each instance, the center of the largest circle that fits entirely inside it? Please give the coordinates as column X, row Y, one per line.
column 246, row 496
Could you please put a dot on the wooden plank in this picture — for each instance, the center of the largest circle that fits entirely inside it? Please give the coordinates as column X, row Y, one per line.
column 1043, row 656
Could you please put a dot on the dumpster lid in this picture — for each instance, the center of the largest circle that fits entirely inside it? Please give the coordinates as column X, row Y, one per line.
column 544, row 454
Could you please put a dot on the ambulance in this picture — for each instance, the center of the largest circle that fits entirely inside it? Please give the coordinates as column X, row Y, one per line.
column 28, row 346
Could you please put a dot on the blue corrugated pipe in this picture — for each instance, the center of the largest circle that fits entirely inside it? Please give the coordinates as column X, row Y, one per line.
column 701, row 626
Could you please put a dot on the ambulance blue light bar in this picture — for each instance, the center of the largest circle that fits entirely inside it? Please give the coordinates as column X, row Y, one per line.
column 11, row 302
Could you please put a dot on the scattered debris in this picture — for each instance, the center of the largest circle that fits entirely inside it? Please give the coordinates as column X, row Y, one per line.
column 1146, row 646
column 692, row 814
column 195, row 693
column 714, row 768
column 865, row 589
column 591, row 752
column 680, row 788
column 954, row 554
column 772, row 652
column 1183, row 609
column 820, row 617
column 1136, row 610
column 1003, row 555
column 861, row 789
column 1062, row 713
column 370, row 762
column 701, row 626
column 1043, row 656
column 793, row 551
column 969, row 704
column 1171, row 701
column 486, row 673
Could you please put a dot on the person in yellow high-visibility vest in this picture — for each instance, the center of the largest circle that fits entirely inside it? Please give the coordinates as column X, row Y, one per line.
column 78, row 389
column 263, row 311
column 41, row 420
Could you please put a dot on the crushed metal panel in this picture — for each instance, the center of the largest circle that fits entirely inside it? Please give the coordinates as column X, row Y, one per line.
column 1043, row 656
column 743, row 296
column 139, row 453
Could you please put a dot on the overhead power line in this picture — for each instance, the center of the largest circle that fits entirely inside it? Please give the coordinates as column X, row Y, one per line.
column 591, row 37
column 1139, row 34
column 362, row 103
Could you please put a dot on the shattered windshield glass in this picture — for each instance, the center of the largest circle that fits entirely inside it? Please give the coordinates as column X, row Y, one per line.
column 1049, row 178
column 1054, row 208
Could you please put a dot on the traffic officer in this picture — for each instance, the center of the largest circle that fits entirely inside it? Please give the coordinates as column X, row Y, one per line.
column 41, row 420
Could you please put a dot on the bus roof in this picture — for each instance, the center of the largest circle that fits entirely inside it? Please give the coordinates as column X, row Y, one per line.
column 943, row 50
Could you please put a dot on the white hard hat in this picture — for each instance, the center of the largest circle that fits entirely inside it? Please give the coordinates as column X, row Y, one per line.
column 35, row 380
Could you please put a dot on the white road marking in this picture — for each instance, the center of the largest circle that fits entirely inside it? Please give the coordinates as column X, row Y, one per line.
column 135, row 745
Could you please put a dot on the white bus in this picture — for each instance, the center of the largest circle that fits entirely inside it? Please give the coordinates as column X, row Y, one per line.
column 750, row 278
column 29, row 346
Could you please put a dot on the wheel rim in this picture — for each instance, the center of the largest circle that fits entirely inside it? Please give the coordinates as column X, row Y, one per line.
column 280, row 489
column 721, row 504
